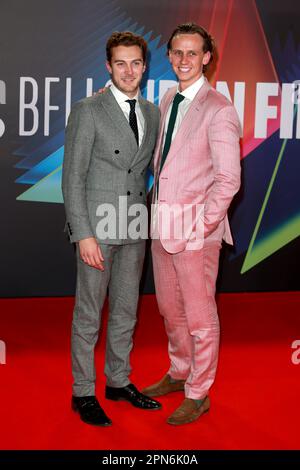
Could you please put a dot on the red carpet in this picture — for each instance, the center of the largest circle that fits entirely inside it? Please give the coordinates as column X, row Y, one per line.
column 255, row 399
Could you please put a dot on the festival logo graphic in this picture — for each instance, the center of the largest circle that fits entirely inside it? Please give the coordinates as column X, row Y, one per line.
column 258, row 78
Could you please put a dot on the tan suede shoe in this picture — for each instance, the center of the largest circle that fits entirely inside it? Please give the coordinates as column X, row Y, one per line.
column 163, row 387
column 188, row 411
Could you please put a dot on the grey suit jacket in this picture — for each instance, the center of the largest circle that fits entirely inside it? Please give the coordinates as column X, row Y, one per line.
column 103, row 162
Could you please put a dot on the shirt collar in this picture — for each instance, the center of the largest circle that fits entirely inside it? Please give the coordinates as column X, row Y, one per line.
column 191, row 91
column 120, row 96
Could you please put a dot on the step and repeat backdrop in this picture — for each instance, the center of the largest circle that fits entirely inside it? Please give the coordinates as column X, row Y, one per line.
column 53, row 53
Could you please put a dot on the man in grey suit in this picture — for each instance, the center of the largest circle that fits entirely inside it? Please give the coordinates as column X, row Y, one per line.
column 110, row 140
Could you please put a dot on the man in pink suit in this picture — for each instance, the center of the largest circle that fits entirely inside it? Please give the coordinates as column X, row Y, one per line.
column 197, row 173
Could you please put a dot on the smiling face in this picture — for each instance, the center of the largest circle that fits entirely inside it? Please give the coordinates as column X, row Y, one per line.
column 126, row 68
column 187, row 58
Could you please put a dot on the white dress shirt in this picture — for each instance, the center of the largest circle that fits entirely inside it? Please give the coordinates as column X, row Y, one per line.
column 121, row 100
column 189, row 94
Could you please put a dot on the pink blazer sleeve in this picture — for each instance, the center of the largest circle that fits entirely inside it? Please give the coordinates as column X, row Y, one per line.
column 224, row 133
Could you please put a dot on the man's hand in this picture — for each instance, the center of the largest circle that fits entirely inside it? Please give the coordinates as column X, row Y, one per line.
column 90, row 253
column 101, row 91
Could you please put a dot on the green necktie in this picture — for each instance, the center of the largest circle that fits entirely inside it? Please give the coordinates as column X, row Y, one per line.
column 177, row 100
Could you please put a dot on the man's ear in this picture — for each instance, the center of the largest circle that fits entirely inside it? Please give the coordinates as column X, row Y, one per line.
column 206, row 58
column 108, row 66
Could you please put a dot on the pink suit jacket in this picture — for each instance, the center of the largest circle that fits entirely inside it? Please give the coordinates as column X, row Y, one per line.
column 202, row 168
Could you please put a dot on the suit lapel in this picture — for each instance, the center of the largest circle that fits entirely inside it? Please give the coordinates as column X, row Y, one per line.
column 147, row 116
column 190, row 120
column 119, row 120
column 164, row 110
column 148, row 119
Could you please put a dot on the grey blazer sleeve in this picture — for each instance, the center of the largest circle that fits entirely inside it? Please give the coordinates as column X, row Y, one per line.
column 80, row 135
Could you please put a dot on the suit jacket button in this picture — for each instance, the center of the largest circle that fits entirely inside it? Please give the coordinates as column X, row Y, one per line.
column 128, row 193
column 141, row 193
column 129, row 171
column 117, row 151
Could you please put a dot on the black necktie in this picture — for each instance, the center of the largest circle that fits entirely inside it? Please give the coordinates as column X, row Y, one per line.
column 177, row 100
column 133, row 120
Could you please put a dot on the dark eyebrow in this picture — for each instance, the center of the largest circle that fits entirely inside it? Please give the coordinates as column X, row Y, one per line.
column 133, row 60
column 190, row 50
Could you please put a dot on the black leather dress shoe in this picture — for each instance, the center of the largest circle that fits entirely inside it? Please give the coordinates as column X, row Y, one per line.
column 90, row 411
column 131, row 394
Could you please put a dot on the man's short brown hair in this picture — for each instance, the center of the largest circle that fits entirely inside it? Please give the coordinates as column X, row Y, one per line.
column 125, row 38
column 193, row 28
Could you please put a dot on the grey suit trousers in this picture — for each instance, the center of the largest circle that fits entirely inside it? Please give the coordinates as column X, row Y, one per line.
column 122, row 274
